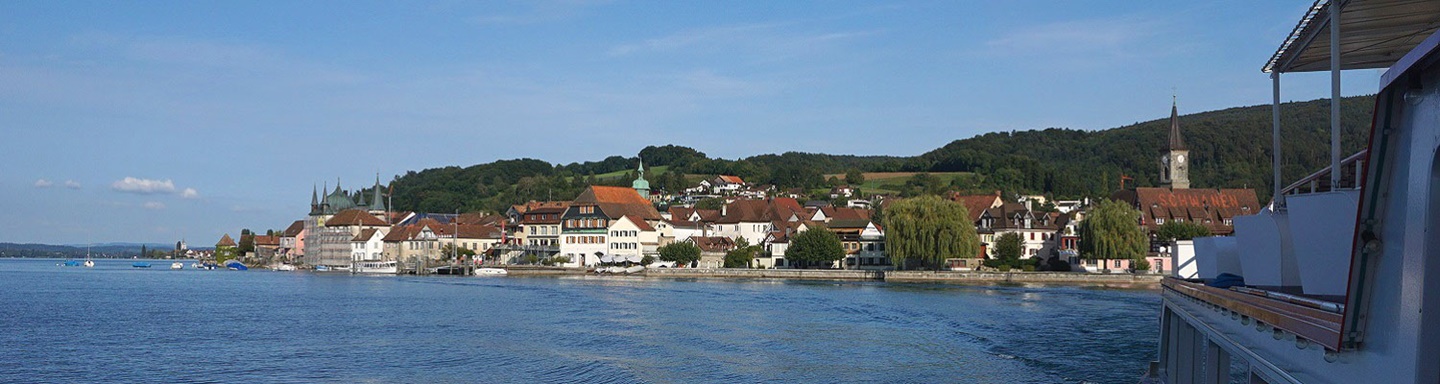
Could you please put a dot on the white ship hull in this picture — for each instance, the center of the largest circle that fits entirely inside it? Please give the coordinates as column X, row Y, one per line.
column 377, row 267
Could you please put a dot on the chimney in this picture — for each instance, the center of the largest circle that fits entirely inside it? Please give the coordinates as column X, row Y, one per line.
column 724, row 210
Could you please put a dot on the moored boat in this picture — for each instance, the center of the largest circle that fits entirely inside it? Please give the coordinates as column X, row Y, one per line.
column 140, row 264
column 235, row 265
column 376, row 267
column 177, row 265
column 491, row 272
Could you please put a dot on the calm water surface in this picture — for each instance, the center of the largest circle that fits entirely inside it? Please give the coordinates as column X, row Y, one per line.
column 114, row 323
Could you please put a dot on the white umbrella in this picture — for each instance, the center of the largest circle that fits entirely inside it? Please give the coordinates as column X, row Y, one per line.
column 634, row 258
column 607, row 259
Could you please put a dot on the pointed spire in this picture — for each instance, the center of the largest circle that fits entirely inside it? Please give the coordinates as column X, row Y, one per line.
column 1176, row 141
column 375, row 203
column 337, row 185
column 641, row 171
column 314, row 196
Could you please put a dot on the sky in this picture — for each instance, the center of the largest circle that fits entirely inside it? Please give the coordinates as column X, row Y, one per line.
column 151, row 121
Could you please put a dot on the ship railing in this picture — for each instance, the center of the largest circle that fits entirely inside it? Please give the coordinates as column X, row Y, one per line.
column 1350, row 178
column 1203, row 328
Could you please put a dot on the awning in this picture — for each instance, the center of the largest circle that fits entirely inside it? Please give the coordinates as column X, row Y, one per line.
column 1374, row 34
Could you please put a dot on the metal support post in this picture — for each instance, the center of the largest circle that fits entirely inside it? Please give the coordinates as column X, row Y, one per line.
column 1217, row 364
column 1275, row 140
column 1335, row 95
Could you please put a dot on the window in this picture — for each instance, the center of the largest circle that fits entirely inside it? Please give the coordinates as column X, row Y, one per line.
column 1159, row 221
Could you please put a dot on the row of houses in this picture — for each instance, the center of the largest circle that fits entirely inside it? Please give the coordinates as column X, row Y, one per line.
column 619, row 222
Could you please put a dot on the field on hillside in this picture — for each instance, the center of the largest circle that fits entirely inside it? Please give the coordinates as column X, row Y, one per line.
column 652, row 171
column 888, row 182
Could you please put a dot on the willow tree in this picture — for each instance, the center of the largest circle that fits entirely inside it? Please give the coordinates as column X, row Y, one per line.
column 929, row 230
column 1112, row 231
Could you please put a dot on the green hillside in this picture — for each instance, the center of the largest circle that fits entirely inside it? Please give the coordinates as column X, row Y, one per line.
column 1230, row 148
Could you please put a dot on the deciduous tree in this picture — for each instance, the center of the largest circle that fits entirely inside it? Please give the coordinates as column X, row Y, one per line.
column 815, row 246
column 682, row 253
column 928, row 230
column 1181, row 230
column 1112, row 231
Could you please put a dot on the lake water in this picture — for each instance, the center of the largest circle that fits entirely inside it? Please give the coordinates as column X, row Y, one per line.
column 115, row 323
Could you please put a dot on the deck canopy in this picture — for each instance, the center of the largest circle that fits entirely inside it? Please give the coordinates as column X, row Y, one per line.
column 1375, row 34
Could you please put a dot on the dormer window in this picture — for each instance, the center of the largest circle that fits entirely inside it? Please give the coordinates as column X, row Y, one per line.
column 1159, row 221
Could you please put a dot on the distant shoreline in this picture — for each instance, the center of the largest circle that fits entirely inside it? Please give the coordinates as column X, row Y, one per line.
column 1122, row 280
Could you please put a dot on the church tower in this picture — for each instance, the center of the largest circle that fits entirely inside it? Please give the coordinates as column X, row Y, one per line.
column 641, row 186
column 1175, row 162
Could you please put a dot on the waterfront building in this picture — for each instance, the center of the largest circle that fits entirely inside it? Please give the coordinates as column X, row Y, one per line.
column 475, row 237
column 225, row 249
column 292, row 242
column 863, row 241
column 753, row 220
column 368, row 245
column 975, row 206
column 712, row 250
column 1176, row 201
column 332, row 244
column 541, row 227
column 267, row 247
column 412, row 242
column 328, row 244
column 585, row 224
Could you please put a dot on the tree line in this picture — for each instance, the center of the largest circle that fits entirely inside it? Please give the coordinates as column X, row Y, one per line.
column 1231, row 149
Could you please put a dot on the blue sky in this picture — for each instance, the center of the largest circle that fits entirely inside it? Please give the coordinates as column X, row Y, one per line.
column 160, row 121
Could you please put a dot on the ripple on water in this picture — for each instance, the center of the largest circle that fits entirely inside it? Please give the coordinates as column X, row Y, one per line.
column 73, row 325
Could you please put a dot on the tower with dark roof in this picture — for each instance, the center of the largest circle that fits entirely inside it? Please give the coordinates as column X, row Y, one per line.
column 376, row 204
column 1174, row 162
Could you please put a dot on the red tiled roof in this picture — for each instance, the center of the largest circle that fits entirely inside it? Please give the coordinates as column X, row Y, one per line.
column 713, row 243
column 478, row 218
column 294, row 229
column 470, row 231
column 639, row 223
column 225, row 241
column 267, row 240
column 532, row 204
column 364, row 235
column 617, row 202
column 975, row 204
column 731, row 179
column 401, row 233
column 1194, row 205
column 354, row 217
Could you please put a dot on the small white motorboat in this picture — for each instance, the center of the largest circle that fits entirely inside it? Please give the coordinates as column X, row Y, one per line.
column 177, row 265
column 90, row 263
column 285, row 267
column 491, row 272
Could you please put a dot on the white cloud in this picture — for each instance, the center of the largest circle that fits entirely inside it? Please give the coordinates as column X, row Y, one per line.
column 42, row 183
column 72, row 184
column 189, row 193
column 144, row 186
column 154, row 205
column 1110, row 39
column 764, row 42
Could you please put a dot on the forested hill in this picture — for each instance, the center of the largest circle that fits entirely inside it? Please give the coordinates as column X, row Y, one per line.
column 1229, row 148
